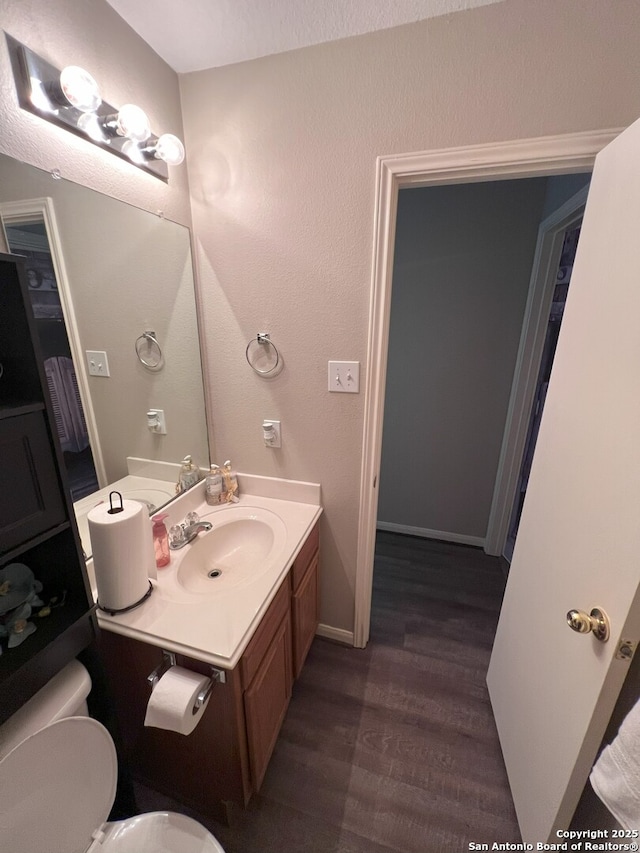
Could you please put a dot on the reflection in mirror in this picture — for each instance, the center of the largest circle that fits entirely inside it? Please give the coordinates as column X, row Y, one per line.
column 101, row 274
column 26, row 228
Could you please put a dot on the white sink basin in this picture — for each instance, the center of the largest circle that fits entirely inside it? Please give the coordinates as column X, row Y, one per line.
column 241, row 546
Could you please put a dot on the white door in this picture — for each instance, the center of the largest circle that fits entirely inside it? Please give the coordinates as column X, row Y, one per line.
column 578, row 546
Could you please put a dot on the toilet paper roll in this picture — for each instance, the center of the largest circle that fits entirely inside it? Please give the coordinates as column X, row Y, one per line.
column 122, row 550
column 173, row 699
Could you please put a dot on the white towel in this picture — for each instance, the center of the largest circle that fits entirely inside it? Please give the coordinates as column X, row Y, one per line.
column 615, row 776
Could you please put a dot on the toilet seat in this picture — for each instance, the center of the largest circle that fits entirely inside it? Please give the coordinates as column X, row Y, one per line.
column 158, row 832
column 56, row 791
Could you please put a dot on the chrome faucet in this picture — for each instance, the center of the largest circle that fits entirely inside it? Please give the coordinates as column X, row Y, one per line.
column 184, row 533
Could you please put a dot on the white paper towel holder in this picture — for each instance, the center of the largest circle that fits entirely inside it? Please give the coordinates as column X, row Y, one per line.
column 169, row 660
column 114, row 611
column 111, row 611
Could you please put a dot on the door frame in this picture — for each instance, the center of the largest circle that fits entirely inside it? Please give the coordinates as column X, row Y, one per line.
column 534, row 329
column 43, row 210
column 521, row 158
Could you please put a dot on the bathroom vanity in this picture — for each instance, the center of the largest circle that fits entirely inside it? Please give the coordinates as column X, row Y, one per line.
column 256, row 631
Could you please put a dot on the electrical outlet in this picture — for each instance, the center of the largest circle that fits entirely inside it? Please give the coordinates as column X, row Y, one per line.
column 272, row 437
column 97, row 363
column 344, row 376
column 156, row 421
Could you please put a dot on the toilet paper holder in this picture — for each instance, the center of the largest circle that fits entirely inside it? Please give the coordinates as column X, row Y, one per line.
column 169, row 660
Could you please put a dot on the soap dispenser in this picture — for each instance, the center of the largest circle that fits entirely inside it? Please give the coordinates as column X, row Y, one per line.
column 230, row 483
column 161, row 540
column 213, row 491
column 189, row 475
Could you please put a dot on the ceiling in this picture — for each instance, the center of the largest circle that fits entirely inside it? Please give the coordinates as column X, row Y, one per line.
column 194, row 34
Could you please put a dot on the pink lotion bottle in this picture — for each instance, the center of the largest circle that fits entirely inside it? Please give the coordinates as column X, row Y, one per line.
column 161, row 540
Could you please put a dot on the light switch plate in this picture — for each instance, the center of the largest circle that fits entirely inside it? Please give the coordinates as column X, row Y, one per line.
column 344, row 376
column 98, row 363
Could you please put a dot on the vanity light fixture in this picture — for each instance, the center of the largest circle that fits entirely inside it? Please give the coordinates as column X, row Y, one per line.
column 71, row 99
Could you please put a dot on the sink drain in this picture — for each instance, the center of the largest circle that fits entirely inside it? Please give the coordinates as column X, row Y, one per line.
column 214, row 573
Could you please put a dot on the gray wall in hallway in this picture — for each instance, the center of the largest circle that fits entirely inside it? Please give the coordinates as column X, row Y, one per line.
column 461, row 275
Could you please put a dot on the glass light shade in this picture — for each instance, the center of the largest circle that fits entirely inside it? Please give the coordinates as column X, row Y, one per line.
column 89, row 123
column 170, row 149
column 39, row 97
column 133, row 123
column 80, row 89
column 133, row 151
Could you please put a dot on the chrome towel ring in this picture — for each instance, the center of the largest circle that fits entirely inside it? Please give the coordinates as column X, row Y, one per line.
column 149, row 351
column 263, row 351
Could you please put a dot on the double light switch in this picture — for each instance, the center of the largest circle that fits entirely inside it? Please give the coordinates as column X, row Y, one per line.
column 344, row 376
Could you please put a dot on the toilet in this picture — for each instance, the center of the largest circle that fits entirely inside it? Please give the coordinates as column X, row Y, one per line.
column 58, row 772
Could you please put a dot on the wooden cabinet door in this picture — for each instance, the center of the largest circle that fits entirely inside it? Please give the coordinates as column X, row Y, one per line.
column 266, row 700
column 206, row 770
column 305, row 615
column 30, row 498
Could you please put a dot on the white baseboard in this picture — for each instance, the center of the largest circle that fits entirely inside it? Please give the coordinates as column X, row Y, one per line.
column 425, row 533
column 337, row 634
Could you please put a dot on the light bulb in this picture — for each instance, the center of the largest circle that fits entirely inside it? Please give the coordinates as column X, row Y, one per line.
column 133, row 123
column 39, row 96
column 170, row 149
column 89, row 123
column 132, row 150
column 79, row 89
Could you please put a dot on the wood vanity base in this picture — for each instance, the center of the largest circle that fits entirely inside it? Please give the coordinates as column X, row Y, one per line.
column 224, row 760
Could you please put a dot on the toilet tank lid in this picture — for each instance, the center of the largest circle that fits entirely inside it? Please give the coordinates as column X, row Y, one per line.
column 60, row 697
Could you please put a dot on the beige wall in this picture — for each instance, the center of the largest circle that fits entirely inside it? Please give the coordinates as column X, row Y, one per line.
column 89, row 33
column 281, row 159
column 282, row 155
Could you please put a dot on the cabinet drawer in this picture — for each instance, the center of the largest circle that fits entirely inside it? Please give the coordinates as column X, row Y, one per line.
column 305, row 556
column 255, row 651
column 30, row 499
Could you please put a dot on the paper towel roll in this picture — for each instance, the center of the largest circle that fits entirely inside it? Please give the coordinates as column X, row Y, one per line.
column 173, row 699
column 122, row 549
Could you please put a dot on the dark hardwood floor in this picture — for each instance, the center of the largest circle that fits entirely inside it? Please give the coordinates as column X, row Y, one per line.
column 391, row 749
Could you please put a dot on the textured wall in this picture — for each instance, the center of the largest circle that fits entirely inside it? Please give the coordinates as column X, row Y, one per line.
column 90, row 33
column 282, row 156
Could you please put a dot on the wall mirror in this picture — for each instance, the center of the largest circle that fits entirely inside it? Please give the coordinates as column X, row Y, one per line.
column 113, row 293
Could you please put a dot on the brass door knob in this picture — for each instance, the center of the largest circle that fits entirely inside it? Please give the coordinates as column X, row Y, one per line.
column 584, row 623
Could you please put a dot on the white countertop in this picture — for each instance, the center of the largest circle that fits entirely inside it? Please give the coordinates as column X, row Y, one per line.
column 216, row 628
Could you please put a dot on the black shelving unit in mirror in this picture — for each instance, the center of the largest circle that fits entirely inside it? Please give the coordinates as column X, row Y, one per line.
column 46, row 608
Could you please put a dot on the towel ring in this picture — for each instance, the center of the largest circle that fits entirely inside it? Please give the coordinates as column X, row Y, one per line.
column 152, row 358
column 262, row 340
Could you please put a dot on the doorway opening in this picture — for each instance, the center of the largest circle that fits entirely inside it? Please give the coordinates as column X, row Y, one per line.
column 560, row 454
column 519, row 158
column 462, row 274
column 29, row 238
